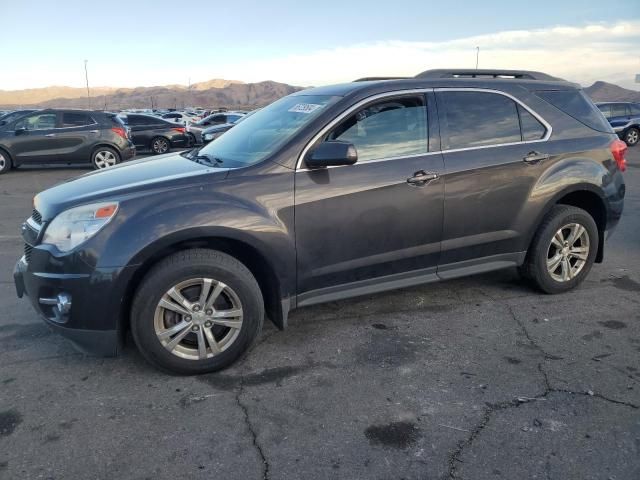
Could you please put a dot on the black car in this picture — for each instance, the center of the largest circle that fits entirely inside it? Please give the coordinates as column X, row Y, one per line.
column 64, row 137
column 327, row 194
column 154, row 133
column 624, row 117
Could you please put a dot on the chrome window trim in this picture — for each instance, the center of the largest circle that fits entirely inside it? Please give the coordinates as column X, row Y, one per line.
column 326, row 128
column 346, row 113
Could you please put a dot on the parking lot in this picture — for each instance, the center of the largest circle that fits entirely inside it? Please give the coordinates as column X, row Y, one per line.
column 478, row 378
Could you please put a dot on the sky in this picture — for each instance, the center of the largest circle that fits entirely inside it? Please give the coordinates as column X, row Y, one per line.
column 145, row 43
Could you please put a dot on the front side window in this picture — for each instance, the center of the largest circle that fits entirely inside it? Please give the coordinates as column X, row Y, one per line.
column 387, row 129
column 635, row 109
column 73, row 119
column 477, row 119
column 39, row 121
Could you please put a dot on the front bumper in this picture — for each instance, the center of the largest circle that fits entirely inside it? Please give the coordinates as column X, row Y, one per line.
column 91, row 318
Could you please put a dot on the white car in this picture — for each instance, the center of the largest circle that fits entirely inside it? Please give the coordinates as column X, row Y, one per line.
column 183, row 118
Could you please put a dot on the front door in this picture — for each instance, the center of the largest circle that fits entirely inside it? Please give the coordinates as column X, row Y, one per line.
column 34, row 140
column 378, row 221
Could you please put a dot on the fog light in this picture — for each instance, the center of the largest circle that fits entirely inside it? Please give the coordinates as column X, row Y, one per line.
column 62, row 302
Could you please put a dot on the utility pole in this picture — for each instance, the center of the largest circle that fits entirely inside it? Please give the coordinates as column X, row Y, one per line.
column 86, row 77
column 477, row 56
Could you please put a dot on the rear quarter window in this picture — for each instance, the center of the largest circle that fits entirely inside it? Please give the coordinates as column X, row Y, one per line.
column 576, row 104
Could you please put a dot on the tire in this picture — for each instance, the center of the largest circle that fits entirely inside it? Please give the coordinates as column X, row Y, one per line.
column 544, row 248
column 160, row 145
column 631, row 136
column 238, row 294
column 104, row 157
column 5, row 162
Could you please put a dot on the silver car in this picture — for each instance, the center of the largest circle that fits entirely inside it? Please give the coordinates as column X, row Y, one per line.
column 195, row 129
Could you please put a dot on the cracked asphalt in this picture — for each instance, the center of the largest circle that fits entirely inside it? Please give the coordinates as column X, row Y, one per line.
column 477, row 378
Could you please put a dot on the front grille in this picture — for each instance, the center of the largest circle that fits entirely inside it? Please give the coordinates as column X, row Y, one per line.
column 27, row 252
column 35, row 215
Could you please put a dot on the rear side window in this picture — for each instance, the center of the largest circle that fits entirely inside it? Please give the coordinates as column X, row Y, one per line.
column 619, row 110
column 75, row 119
column 531, row 127
column 476, row 119
column 388, row 129
column 577, row 105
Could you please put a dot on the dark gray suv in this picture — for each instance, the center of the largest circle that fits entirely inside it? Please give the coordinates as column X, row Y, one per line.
column 62, row 137
column 326, row 194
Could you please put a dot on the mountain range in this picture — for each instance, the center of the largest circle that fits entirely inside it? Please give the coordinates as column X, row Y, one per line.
column 212, row 93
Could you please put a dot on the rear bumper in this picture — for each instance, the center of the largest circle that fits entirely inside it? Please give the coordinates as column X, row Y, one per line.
column 92, row 302
column 129, row 152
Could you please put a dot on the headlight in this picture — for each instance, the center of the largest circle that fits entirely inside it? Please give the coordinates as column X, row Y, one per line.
column 77, row 225
column 208, row 137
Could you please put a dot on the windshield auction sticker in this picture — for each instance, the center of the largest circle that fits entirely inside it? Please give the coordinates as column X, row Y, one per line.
column 305, row 107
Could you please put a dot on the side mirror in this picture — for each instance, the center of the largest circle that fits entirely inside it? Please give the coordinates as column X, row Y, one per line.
column 21, row 131
column 331, row 154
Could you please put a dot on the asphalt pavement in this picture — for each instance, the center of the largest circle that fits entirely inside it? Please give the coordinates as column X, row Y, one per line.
column 477, row 378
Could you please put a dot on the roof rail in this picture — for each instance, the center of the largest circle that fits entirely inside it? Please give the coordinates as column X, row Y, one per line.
column 484, row 73
column 371, row 79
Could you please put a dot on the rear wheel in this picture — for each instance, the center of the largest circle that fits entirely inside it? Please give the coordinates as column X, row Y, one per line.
column 563, row 250
column 196, row 312
column 160, row 145
column 632, row 136
column 5, row 162
column 104, row 157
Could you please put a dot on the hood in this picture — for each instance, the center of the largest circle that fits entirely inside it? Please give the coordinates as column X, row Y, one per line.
column 131, row 178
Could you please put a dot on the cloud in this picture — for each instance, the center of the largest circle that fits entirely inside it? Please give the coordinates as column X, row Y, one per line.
column 581, row 54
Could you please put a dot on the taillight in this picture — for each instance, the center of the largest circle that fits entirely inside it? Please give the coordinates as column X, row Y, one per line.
column 120, row 131
column 179, row 129
column 618, row 150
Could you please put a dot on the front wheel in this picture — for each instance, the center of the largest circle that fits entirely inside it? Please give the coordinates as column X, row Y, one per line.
column 196, row 312
column 563, row 250
column 632, row 136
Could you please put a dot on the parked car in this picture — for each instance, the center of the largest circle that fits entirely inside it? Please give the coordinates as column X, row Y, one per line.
column 624, row 117
column 155, row 133
column 217, row 119
column 12, row 115
column 327, row 194
column 63, row 137
column 213, row 132
column 182, row 118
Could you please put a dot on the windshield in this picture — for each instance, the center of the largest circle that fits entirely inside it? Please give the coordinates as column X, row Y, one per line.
column 261, row 134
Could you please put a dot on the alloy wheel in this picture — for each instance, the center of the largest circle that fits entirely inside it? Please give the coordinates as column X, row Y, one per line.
column 105, row 159
column 568, row 252
column 3, row 162
column 160, row 145
column 198, row 318
column 632, row 137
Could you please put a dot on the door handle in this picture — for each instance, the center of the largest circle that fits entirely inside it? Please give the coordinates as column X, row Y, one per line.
column 421, row 178
column 535, row 157
column 50, row 135
column 93, row 131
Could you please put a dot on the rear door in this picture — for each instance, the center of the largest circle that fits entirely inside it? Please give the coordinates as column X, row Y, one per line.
column 77, row 134
column 32, row 138
column 620, row 115
column 371, row 222
column 494, row 150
